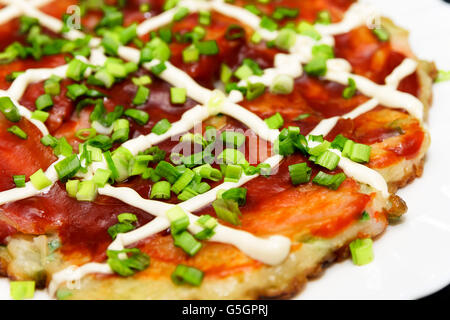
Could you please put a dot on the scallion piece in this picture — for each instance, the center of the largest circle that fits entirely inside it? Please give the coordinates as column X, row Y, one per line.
column 160, row 190
column 52, row 86
column 381, row 33
column 39, row 180
column 328, row 159
column 87, row 191
column 9, row 109
column 141, row 96
column 161, row 127
column 76, row 69
column 360, row 153
column 350, row 90
column 339, row 142
column 19, row 180
column 235, row 139
column 191, row 54
column 141, row 117
column 74, row 91
column 187, row 242
column 40, row 115
column 101, row 177
column 299, row 173
column 168, row 171
column 179, row 220
column 72, row 187
column 362, row 251
column 20, row 290
column 135, row 261
column 236, row 194
column 68, row 167
column 208, row 47
column 86, row 133
column 181, row 14
column 227, row 210
column 208, row 172
column 275, row 122
column 328, row 180
column 121, row 130
column 183, row 181
column 15, row 130
column 268, row 23
column 282, row 84
column 187, row 275
column 178, row 95
column 286, row 39
column 204, row 18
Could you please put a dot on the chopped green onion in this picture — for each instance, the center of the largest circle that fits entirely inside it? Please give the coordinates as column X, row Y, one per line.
column 142, row 95
column 87, row 191
column 141, row 117
column 328, row 160
column 365, row 216
column 339, row 142
column 86, row 133
column 101, row 177
column 183, row 181
column 282, row 84
column 19, row 181
column 161, row 127
column 142, row 81
column 39, row 180
column 72, row 187
column 121, row 130
column 208, row 47
column 138, row 261
column 208, row 172
column 181, row 14
column 381, row 33
column 319, row 149
column 225, row 73
column 191, row 54
column 235, row 139
column 350, row 90
column 233, row 173
column 179, row 220
column 231, row 156
column 360, row 153
column 111, row 43
column 9, row 109
column 254, row 90
column 362, row 251
column 20, row 290
column 159, row 68
column 104, row 78
column 178, row 95
column 49, row 141
column 275, row 122
column 234, row 32
column 160, row 190
column 184, row 274
column 299, row 173
column 236, row 194
column 204, row 18
column 286, row 39
column 18, row 132
column 67, row 167
column 76, row 69
column 187, row 242
column 328, row 180
column 40, row 115
column 74, row 91
column 268, row 23
column 323, row 17
column 51, row 86
column 307, row 29
column 168, row 171
column 227, row 210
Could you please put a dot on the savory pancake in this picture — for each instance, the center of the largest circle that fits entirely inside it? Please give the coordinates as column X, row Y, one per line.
column 317, row 119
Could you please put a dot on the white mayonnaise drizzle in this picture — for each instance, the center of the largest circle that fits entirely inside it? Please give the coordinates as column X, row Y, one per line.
column 274, row 249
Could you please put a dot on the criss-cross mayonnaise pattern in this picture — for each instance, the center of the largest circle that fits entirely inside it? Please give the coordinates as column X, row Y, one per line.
column 272, row 250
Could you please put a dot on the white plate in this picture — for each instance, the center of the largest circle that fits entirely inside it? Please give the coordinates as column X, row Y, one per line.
column 412, row 258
